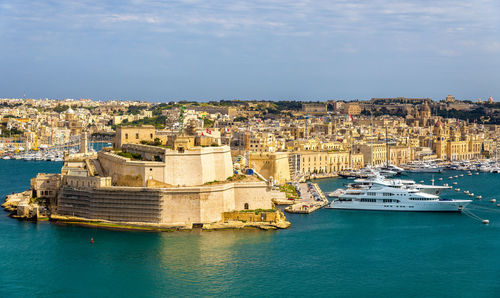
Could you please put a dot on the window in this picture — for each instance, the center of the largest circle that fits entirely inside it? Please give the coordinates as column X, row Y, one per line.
column 126, row 136
column 246, row 206
column 368, row 200
column 150, row 136
column 371, row 193
column 137, row 136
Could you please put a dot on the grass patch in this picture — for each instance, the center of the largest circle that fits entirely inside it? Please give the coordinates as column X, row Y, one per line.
column 130, row 155
column 257, row 211
column 236, row 177
column 289, row 191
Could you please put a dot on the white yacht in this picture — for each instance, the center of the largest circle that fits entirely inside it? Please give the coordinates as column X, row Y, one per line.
column 425, row 168
column 399, row 183
column 379, row 197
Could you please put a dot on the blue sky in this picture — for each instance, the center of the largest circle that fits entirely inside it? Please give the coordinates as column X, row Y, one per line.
column 271, row 50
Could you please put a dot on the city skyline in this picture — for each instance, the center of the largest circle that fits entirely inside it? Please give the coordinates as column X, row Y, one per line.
column 263, row 50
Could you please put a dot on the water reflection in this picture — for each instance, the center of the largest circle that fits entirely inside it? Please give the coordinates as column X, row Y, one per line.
column 213, row 258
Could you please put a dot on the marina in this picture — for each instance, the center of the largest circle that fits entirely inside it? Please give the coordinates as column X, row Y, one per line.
column 336, row 239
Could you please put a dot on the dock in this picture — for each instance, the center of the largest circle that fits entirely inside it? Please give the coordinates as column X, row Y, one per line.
column 312, row 198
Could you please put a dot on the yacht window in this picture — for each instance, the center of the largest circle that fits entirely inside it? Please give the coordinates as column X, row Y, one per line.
column 369, row 200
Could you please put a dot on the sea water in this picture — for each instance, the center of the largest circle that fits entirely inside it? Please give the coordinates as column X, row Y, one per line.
column 335, row 253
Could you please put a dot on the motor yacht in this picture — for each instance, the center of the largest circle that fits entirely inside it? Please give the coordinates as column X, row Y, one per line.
column 379, row 197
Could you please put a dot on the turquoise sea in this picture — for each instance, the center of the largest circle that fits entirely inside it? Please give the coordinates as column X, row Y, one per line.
column 331, row 253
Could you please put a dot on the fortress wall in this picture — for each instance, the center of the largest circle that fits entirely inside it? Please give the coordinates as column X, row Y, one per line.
column 213, row 204
column 116, row 166
column 147, row 152
column 176, row 206
column 224, row 164
column 183, row 169
column 209, row 168
column 255, row 194
column 191, row 167
column 198, row 166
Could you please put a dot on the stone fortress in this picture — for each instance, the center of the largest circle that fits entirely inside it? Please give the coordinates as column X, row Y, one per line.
column 178, row 186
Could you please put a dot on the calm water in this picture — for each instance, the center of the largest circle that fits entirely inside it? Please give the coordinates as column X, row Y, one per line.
column 328, row 253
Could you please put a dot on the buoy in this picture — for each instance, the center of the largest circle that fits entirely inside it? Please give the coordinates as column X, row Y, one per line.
column 455, row 183
column 421, row 181
column 91, row 240
column 456, row 176
column 485, row 221
column 479, row 197
column 477, row 173
column 450, row 177
column 457, row 189
column 493, row 200
column 498, row 205
column 440, row 179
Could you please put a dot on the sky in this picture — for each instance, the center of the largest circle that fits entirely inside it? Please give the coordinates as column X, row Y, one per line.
column 250, row 50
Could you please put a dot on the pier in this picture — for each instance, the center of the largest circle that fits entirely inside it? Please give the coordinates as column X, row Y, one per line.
column 311, row 199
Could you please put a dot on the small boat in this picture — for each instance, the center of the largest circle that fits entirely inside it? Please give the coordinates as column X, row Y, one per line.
column 461, row 175
column 493, row 200
column 450, row 177
column 336, row 193
column 440, row 179
column 455, row 183
column 485, row 221
column 457, row 189
column 456, row 176
column 466, row 191
column 479, row 197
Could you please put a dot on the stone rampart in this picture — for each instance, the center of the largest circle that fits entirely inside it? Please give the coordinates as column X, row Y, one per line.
column 176, row 205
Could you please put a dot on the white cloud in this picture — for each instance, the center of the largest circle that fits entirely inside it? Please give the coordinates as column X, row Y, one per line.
column 425, row 21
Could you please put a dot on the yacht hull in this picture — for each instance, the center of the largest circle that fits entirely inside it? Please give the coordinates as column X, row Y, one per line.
column 431, row 206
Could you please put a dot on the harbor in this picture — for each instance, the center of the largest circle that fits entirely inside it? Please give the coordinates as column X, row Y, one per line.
column 336, row 239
